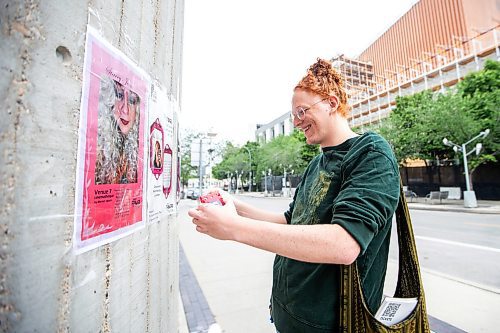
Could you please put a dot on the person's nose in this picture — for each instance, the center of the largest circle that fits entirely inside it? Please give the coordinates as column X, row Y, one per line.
column 296, row 121
column 125, row 106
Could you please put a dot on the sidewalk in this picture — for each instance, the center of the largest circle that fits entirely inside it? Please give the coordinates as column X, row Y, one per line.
column 484, row 206
column 236, row 281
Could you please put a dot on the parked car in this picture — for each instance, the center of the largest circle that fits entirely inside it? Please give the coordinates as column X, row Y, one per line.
column 189, row 193
column 193, row 193
column 196, row 194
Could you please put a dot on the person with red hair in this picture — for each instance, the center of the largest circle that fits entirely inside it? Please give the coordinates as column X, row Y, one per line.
column 341, row 212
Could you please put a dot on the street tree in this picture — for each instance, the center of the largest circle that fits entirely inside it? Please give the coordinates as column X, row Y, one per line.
column 187, row 170
column 419, row 122
column 281, row 152
column 229, row 163
column 481, row 91
column 306, row 152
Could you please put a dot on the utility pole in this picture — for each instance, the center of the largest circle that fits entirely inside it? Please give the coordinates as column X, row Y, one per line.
column 201, row 164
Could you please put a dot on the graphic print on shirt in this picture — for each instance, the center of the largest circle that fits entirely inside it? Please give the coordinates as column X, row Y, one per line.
column 306, row 206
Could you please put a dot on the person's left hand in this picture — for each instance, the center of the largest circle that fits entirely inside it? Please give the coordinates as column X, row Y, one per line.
column 215, row 221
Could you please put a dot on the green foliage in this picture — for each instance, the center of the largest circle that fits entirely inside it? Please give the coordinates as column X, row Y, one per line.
column 481, row 91
column 418, row 124
column 283, row 153
column 403, row 128
column 230, row 162
column 187, row 171
column 307, row 152
column 367, row 128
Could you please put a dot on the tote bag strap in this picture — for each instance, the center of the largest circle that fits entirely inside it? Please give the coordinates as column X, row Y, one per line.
column 354, row 314
column 409, row 277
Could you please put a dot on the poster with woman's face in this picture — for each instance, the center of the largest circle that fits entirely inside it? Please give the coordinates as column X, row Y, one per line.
column 110, row 181
column 118, row 126
column 155, row 148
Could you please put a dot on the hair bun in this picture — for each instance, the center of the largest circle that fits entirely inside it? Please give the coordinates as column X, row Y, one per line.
column 321, row 68
column 324, row 80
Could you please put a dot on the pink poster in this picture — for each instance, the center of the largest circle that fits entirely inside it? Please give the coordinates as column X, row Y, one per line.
column 110, row 174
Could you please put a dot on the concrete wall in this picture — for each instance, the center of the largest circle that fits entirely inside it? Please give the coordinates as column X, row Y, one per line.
column 130, row 285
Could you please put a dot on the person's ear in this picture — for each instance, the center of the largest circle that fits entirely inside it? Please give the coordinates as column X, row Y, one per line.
column 334, row 103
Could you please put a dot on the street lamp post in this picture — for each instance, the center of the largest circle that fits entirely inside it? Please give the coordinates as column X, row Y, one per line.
column 238, row 181
column 250, row 157
column 284, row 183
column 283, row 190
column 200, row 165
column 469, row 195
column 230, row 182
column 272, row 179
column 265, row 183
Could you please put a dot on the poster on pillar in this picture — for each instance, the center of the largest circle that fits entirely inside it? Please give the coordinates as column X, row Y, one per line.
column 109, row 200
column 177, row 170
column 161, row 187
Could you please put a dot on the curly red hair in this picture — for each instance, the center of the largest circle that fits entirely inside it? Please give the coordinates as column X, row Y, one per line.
column 324, row 80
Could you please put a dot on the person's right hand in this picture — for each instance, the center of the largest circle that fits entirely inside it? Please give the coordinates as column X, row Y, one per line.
column 214, row 220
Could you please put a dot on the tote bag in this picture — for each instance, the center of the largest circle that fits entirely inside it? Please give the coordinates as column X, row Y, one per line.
column 355, row 316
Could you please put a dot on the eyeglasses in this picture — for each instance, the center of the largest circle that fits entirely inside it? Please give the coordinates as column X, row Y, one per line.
column 300, row 112
column 123, row 94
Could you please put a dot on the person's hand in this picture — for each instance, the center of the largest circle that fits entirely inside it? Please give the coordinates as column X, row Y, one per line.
column 215, row 221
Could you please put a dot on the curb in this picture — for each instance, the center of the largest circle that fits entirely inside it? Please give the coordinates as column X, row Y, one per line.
column 479, row 210
column 415, row 206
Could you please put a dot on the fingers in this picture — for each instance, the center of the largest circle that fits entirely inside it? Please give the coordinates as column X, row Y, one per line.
column 200, row 217
column 195, row 212
column 196, row 215
column 202, row 208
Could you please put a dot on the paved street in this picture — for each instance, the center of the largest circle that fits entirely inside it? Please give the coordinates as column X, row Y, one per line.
column 235, row 278
column 463, row 246
column 459, row 255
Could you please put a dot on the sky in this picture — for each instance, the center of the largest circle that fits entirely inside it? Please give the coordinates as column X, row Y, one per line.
column 241, row 59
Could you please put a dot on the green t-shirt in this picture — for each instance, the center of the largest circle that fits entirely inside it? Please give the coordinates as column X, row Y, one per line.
column 355, row 185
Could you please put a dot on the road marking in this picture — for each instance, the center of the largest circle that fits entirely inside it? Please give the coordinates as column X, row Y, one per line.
column 472, row 246
column 485, row 287
column 483, row 224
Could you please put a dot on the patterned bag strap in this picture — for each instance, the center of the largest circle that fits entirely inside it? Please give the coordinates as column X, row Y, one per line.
column 353, row 308
column 409, row 277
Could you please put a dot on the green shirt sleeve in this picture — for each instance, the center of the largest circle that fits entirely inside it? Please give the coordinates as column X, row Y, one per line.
column 369, row 193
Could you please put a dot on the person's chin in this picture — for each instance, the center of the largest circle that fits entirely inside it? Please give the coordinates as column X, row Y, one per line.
column 310, row 140
column 124, row 130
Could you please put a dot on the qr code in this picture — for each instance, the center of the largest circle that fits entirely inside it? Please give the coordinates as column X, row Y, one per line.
column 390, row 311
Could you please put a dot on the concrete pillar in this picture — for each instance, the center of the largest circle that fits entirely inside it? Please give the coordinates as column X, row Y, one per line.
column 130, row 285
